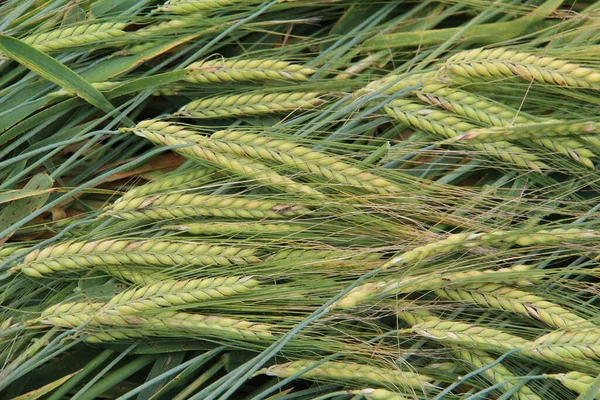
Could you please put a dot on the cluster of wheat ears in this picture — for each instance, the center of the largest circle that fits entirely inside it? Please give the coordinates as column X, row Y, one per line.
column 236, row 199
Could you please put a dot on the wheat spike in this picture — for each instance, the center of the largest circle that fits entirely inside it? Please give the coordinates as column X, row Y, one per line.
column 583, row 344
column 169, row 182
column 72, row 256
column 74, row 36
column 462, row 241
column 199, row 147
column 448, row 126
column 349, row 372
column 506, row 298
column 503, row 62
column 250, row 104
column 179, row 205
column 233, row 228
column 496, row 374
column 471, row 336
column 575, row 380
column 167, row 324
column 135, row 274
column 219, row 70
column 194, row 6
column 177, row 293
column 378, row 394
column 426, row 282
column 305, row 159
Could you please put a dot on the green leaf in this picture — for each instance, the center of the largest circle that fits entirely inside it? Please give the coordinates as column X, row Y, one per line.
column 54, row 71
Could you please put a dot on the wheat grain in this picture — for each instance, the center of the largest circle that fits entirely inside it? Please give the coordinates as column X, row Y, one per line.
column 305, row 159
column 179, row 205
column 349, row 372
column 250, row 104
column 199, row 147
column 72, row 256
column 219, row 70
column 503, row 62
column 510, row 299
column 177, row 293
column 74, row 36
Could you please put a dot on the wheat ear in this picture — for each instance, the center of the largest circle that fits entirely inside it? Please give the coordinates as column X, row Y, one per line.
column 234, row 228
column 503, row 62
column 462, row 241
column 102, row 86
column 179, row 205
column 177, row 293
column 471, row 336
column 218, row 70
column 250, row 104
column 135, row 274
column 305, row 159
column 168, row 182
column 485, row 111
column 167, row 324
column 392, row 84
column 449, row 126
column 71, row 256
column 75, row 36
column 474, row 107
column 500, row 297
column 497, row 374
column 575, row 380
column 378, row 394
column 194, row 6
column 373, row 290
column 349, row 372
column 583, row 344
column 199, row 147
column 329, row 258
